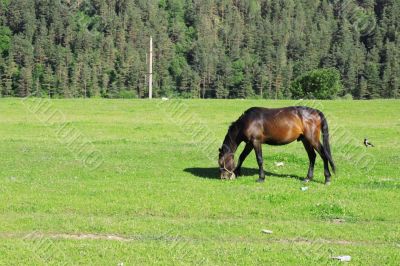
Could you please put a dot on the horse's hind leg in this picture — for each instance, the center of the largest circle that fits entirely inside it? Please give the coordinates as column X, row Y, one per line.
column 247, row 149
column 311, row 156
column 258, row 150
column 321, row 151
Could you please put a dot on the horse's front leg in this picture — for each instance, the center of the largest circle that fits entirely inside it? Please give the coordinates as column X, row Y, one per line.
column 258, row 150
column 247, row 149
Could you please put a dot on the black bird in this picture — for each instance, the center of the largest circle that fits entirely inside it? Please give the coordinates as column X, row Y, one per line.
column 367, row 143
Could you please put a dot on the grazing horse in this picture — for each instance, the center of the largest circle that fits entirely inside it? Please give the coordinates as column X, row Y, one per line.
column 278, row 126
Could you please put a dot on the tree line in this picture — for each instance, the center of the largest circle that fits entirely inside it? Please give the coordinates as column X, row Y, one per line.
column 203, row 48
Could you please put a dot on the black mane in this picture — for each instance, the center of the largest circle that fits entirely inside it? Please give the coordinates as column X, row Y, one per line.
column 231, row 141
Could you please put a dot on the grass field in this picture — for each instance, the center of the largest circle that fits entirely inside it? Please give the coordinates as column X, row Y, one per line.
column 153, row 195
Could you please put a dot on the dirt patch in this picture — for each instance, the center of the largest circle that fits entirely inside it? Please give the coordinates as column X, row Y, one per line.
column 320, row 241
column 80, row 236
column 338, row 221
column 91, row 236
column 121, row 238
column 73, row 236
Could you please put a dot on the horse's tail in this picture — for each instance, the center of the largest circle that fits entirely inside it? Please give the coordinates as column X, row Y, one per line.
column 325, row 141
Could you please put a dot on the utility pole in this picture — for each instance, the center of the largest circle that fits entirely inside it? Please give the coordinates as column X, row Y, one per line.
column 151, row 69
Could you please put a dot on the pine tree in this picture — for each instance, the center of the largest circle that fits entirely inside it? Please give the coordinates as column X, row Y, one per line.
column 363, row 92
column 63, row 81
column 10, row 72
column 86, row 81
column 372, row 80
column 1, row 73
column 48, row 82
column 391, row 73
column 105, row 81
column 221, row 91
column 95, row 92
column 24, row 87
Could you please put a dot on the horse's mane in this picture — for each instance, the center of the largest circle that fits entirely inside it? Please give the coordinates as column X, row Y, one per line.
column 235, row 125
column 233, row 132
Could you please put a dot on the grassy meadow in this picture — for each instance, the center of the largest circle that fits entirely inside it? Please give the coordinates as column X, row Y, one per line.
column 153, row 195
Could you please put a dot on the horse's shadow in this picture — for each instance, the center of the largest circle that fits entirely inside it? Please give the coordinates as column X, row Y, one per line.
column 212, row 173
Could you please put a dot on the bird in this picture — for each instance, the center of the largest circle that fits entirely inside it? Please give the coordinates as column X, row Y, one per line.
column 367, row 143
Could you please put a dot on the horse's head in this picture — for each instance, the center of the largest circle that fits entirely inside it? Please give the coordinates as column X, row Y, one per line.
column 226, row 163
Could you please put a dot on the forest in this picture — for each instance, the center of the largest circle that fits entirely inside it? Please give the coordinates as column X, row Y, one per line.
column 273, row 49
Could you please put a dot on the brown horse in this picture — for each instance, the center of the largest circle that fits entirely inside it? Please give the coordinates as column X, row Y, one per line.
column 277, row 126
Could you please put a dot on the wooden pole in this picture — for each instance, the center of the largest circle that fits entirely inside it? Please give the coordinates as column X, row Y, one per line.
column 151, row 69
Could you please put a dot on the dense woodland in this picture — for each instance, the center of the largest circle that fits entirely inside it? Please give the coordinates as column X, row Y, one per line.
column 203, row 48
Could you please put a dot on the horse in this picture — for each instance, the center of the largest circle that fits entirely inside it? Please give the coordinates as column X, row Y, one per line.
column 276, row 126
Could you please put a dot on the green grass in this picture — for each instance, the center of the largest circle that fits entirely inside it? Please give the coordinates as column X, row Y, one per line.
column 158, row 193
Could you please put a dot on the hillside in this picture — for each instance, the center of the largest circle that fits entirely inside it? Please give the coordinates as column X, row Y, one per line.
column 205, row 48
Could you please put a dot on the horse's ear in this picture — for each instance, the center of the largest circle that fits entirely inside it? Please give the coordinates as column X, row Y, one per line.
column 220, row 150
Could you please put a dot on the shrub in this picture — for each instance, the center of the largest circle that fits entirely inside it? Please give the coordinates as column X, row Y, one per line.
column 317, row 84
column 347, row 96
column 125, row 94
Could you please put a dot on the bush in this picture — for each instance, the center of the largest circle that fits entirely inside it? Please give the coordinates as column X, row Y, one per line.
column 317, row 84
column 125, row 94
column 347, row 96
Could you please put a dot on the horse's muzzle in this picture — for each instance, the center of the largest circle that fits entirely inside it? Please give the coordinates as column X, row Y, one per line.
column 228, row 176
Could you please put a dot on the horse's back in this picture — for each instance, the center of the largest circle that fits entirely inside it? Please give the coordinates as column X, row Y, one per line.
column 283, row 111
column 278, row 126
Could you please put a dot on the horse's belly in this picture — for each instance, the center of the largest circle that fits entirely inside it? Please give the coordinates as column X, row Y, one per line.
column 282, row 134
column 278, row 142
column 282, row 138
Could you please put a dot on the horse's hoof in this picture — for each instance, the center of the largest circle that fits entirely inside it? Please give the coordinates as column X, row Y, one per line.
column 327, row 183
column 260, row 180
column 307, row 180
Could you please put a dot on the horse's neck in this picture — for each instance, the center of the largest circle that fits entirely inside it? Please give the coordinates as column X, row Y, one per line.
column 231, row 141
